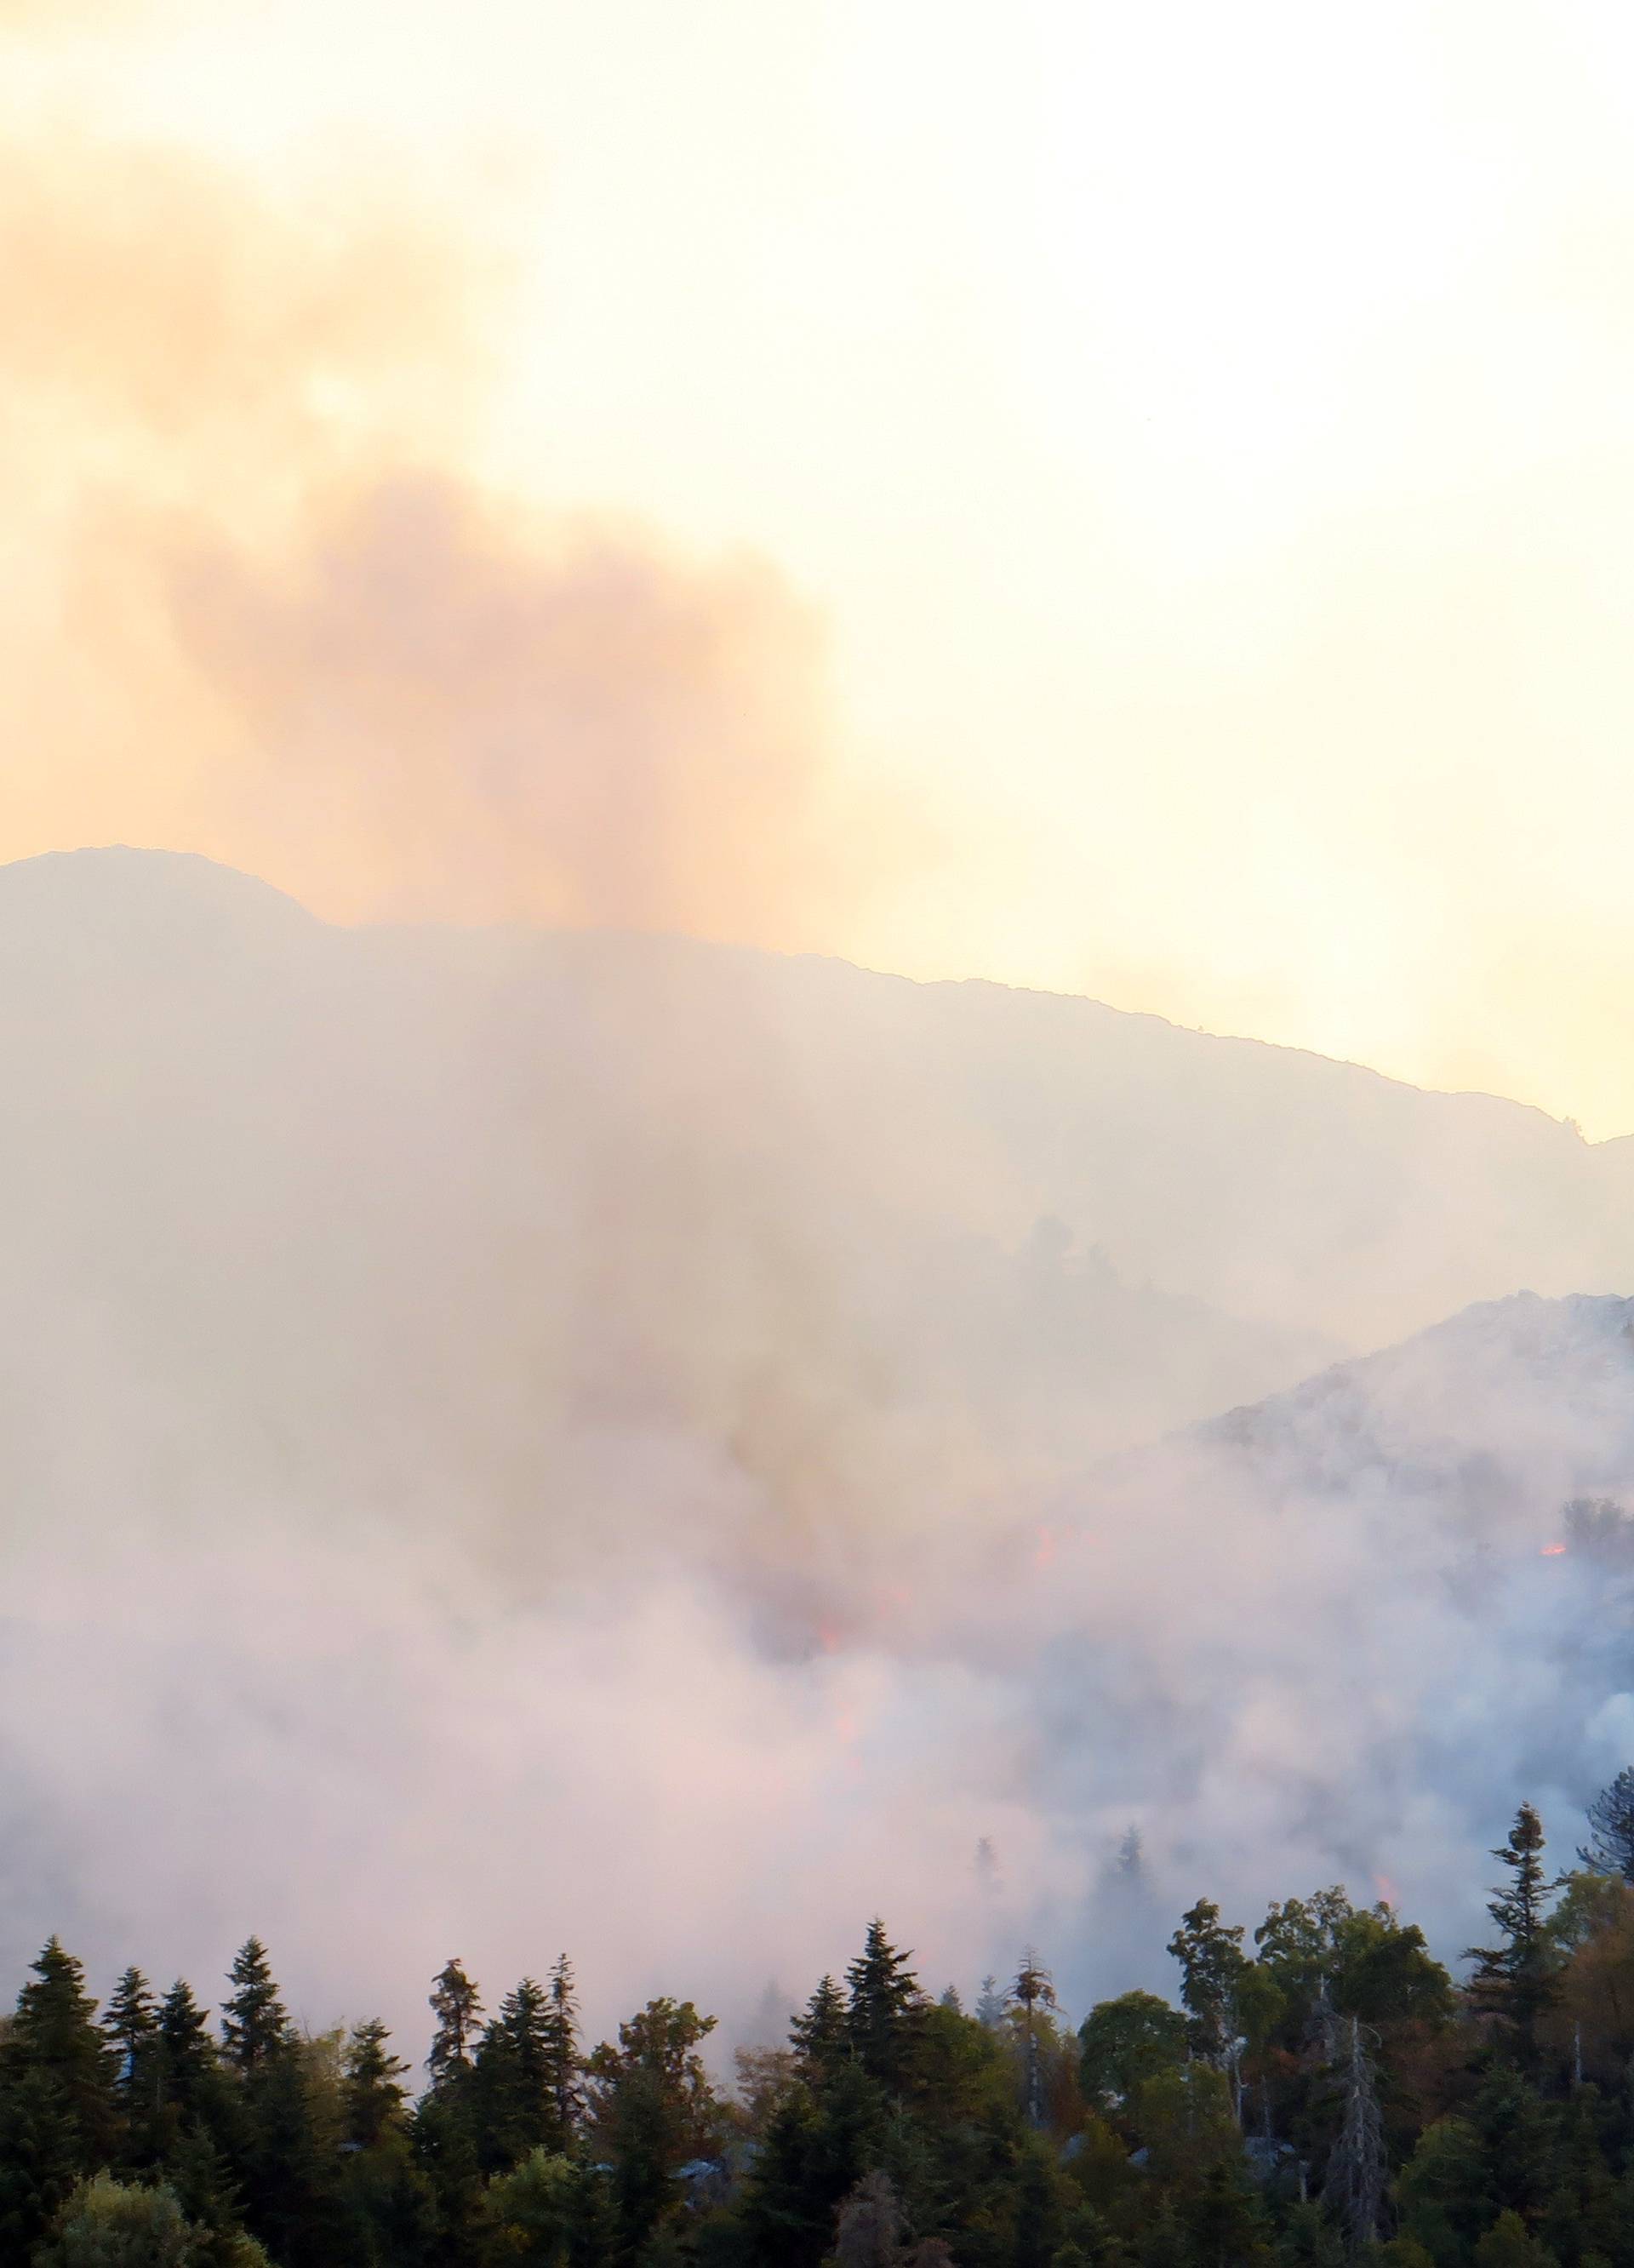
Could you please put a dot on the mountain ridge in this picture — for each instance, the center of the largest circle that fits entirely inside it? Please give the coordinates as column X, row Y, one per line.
column 125, row 858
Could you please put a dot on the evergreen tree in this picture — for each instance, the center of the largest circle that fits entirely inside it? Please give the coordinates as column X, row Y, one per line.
column 254, row 2025
column 444, row 2144
column 564, row 2062
column 1610, row 1847
column 514, row 2080
column 290, row 2196
column 42, row 2155
column 457, row 2007
column 374, row 2092
column 131, row 2022
column 818, row 2035
column 1518, row 1980
column 882, row 2007
column 187, row 2053
column 54, row 2035
column 818, row 2144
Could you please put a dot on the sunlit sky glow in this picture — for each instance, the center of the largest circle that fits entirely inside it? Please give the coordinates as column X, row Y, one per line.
column 1164, row 476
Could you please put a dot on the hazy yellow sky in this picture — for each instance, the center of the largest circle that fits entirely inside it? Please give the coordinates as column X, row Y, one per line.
column 1129, row 499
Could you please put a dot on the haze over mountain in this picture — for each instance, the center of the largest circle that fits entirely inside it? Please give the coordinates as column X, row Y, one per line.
column 434, row 1359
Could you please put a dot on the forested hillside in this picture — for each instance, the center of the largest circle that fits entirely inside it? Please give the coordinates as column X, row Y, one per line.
column 1321, row 2093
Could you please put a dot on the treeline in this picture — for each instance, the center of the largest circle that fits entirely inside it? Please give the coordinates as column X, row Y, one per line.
column 1325, row 2094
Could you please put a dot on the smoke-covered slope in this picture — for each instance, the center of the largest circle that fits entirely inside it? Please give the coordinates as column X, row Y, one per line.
column 480, row 1395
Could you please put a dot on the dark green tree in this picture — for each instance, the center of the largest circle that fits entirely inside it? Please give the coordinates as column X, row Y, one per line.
column 652, row 2110
column 1518, row 1980
column 54, row 2037
column 1211, row 1963
column 374, row 2093
column 513, row 2081
column 1126, row 2040
column 254, row 2024
column 131, row 2023
column 820, row 2035
column 189, row 2067
column 820, row 2142
column 564, row 2061
column 882, row 2009
column 457, row 2008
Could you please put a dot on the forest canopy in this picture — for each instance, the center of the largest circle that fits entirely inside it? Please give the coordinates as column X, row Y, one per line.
column 1322, row 2091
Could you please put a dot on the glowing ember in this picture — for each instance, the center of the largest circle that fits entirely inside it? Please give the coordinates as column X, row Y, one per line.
column 1044, row 1556
column 1551, row 1551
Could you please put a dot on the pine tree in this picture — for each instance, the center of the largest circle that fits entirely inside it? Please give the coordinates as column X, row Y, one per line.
column 1518, row 1981
column 457, row 2006
column 55, row 2034
column 564, row 2062
column 1610, row 1847
column 41, row 2157
column 513, row 2079
column 254, row 2025
column 883, row 2004
column 818, row 2035
column 187, row 2053
column 131, row 2022
column 374, row 2095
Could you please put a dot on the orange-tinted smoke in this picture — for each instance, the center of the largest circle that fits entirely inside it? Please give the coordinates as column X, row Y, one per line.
column 259, row 608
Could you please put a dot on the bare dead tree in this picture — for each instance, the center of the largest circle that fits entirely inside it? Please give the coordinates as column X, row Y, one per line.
column 1358, row 2169
column 869, row 2230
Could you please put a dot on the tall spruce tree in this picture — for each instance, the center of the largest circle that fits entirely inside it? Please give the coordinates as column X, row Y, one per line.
column 457, row 2008
column 254, row 2024
column 55, row 2032
column 1518, row 1980
column 564, row 2062
column 882, row 2009
column 513, row 2081
column 818, row 2035
column 373, row 2093
column 131, row 2022
column 187, row 2053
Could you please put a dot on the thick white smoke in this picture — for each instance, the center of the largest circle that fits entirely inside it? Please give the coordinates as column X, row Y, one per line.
column 516, row 1444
